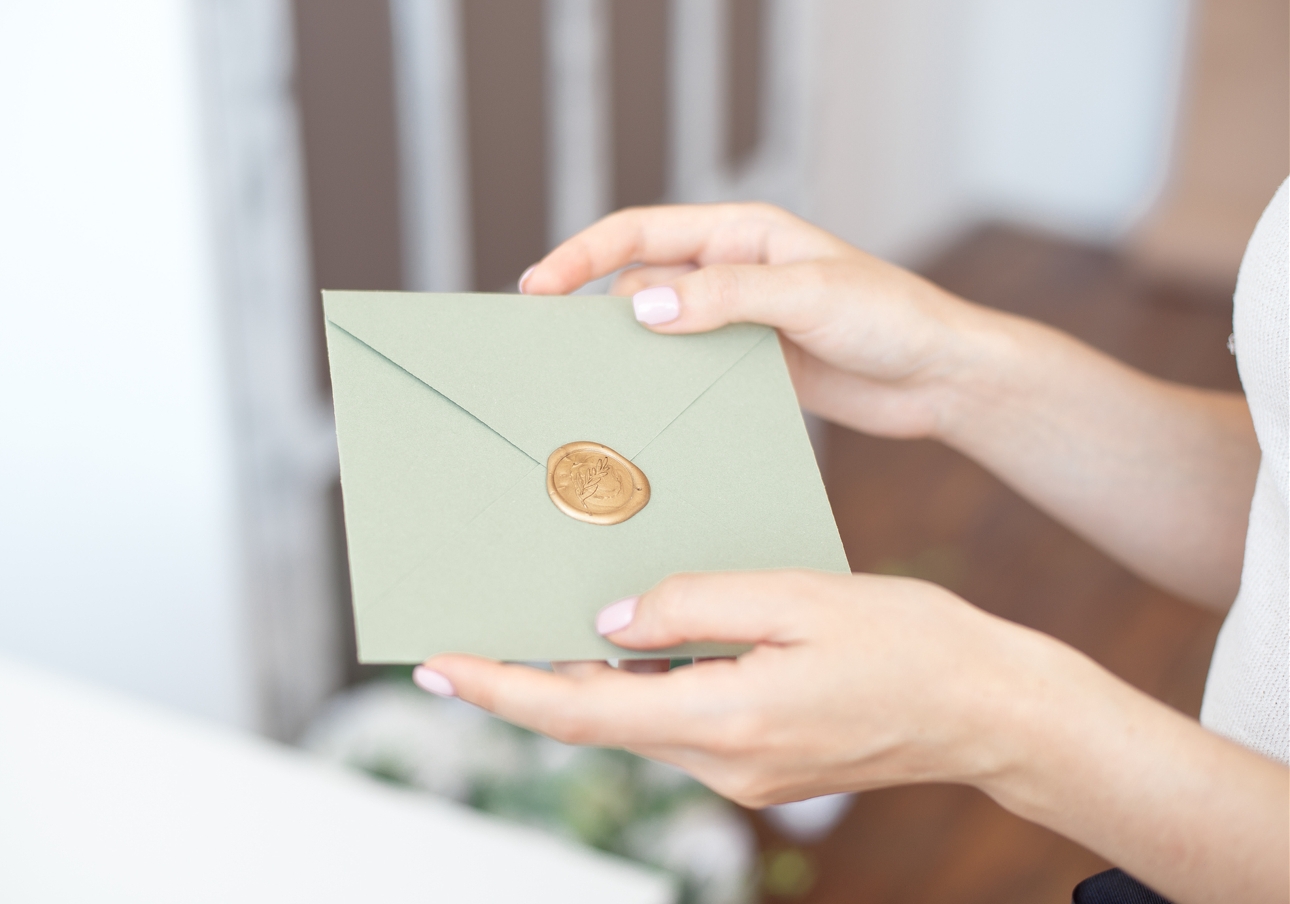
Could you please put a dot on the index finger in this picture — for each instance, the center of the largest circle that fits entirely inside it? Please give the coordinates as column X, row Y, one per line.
column 607, row 708
column 677, row 234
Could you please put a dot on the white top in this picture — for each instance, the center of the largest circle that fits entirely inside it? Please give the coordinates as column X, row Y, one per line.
column 1247, row 691
column 106, row 799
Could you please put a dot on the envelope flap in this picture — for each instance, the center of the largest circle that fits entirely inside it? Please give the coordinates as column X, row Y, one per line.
column 544, row 371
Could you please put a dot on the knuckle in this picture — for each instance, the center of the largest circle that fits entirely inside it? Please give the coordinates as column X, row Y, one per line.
column 484, row 698
column 715, row 288
column 671, row 607
column 629, row 282
column 738, row 735
column 810, row 592
column 567, row 728
column 766, row 209
column 627, row 214
column 723, row 287
column 825, row 280
column 745, row 731
column 746, row 788
column 670, row 597
column 763, row 796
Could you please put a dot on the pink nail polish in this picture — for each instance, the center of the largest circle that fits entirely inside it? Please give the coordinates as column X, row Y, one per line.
column 655, row 305
column 432, row 681
column 616, row 616
column 523, row 276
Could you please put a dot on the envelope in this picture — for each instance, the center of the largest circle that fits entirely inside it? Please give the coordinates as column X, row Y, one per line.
column 448, row 407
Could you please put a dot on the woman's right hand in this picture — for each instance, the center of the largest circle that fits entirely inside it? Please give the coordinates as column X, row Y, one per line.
column 1157, row 474
column 868, row 344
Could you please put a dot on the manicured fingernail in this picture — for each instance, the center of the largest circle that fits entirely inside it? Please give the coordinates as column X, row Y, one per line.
column 616, row 616
column 655, row 305
column 523, row 276
column 434, row 682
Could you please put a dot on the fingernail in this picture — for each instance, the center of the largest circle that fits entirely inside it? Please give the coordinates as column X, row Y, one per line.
column 655, row 305
column 616, row 616
column 434, row 682
column 523, row 276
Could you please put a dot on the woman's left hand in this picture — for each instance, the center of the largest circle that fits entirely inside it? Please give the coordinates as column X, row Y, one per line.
column 853, row 682
column 861, row 681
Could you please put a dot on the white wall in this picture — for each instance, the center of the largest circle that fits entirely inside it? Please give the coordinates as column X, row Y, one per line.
column 931, row 115
column 882, row 169
column 1067, row 109
column 116, row 539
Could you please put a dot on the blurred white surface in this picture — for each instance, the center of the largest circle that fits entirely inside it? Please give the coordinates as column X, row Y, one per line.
column 106, row 799
column 117, row 536
column 1068, row 110
column 807, row 821
column 931, row 115
column 650, row 812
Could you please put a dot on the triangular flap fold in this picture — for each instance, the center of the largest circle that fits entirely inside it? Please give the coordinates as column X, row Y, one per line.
column 543, row 371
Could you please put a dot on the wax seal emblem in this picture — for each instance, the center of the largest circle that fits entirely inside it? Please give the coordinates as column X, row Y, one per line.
column 593, row 483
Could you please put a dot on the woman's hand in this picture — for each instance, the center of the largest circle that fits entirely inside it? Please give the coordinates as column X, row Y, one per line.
column 868, row 344
column 853, row 682
column 860, row 681
column 1158, row 475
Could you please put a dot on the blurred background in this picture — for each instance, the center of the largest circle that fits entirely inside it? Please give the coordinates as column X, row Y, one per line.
column 179, row 178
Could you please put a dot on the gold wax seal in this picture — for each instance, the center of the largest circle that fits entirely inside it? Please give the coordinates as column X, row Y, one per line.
column 593, row 483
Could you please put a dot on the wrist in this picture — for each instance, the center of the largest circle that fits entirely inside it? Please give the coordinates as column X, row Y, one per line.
column 988, row 366
column 1082, row 753
column 995, row 721
column 1028, row 715
column 1054, row 726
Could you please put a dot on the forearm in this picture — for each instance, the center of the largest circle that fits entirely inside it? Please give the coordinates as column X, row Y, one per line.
column 1157, row 474
column 1195, row 816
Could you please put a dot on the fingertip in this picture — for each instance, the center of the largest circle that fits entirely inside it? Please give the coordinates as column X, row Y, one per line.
column 656, row 305
column 433, row 681
column 461, row 670
column 519, row 284
column 616, row 616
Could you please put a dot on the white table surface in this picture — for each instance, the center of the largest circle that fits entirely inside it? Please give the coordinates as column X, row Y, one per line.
column 104, row 798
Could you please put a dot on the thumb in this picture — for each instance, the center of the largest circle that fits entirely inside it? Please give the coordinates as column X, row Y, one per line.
column 774, row 607
column 789, row 297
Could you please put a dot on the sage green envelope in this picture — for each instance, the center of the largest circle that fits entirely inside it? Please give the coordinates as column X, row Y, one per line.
column 447, row 408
